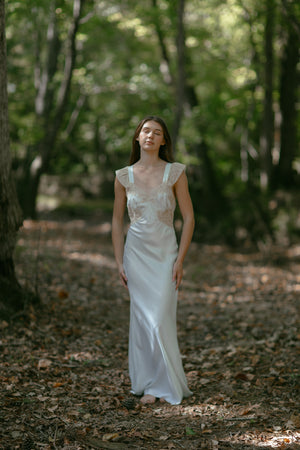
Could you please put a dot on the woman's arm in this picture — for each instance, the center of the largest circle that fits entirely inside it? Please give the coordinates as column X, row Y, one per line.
column 118, row 228
column 186, row 209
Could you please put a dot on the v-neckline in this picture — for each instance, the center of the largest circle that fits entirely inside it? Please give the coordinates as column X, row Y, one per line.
column 163, row 181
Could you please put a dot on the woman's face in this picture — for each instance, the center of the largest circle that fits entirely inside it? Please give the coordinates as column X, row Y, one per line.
column 151, row 136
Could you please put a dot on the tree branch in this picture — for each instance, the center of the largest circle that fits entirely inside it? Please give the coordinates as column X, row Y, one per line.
column 70, row 59
column 64, row 90
column 287, row 9
column 44, row 97
column 165, row 67
column 180, row 84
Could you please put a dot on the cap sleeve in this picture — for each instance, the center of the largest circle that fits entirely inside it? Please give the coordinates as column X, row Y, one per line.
column 175, row 172
column 122, row 175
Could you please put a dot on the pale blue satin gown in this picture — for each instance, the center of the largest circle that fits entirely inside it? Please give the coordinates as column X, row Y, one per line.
column 155, row 365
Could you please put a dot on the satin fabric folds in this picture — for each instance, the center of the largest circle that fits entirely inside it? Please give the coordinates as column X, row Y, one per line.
column 155, row 365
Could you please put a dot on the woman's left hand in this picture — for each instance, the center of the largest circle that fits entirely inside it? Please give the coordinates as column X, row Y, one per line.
column 177, row 273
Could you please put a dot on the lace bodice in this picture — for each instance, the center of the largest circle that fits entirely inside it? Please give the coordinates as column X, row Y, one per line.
column 152, row 204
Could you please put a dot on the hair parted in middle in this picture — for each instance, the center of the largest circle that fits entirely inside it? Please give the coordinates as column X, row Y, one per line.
column 165, row 151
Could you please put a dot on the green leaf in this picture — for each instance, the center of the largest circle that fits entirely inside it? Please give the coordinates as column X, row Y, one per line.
column 189, row 431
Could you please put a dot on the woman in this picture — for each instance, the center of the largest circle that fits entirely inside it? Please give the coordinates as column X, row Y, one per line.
column 150, row 265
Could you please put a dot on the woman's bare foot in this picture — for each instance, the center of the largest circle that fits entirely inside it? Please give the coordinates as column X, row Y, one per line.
column 162, row 400
column 148, row 399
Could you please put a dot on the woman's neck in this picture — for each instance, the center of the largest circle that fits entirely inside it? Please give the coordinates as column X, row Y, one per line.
column 148, row 160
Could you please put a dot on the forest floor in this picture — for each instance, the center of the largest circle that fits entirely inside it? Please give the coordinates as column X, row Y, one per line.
column 64, row 377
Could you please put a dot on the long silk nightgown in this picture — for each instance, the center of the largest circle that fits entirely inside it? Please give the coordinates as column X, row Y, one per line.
column 155, row 365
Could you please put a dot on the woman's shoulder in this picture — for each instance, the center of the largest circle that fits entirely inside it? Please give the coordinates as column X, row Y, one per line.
column 122, row 170
column 122, row 176
column 175, row 171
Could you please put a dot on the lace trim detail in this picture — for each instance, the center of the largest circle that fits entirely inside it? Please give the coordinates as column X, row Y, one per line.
column 122, row 175
column 167, row 203
column 156, row 204
column 159, row 206
column 175, row 172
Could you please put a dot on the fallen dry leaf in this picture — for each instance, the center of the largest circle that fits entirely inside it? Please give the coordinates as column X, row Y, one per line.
column 64, row 366
column 110, row 436
column 44, row 364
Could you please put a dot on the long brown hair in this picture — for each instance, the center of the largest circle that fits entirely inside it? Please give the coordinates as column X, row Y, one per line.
column 165, row 151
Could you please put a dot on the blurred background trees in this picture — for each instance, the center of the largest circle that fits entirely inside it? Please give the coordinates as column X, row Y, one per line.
column 223, row 74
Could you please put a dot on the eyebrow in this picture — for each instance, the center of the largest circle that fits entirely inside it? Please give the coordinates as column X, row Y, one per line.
column 155, row 129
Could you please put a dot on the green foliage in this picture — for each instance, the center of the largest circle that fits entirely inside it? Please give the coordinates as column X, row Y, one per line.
column 86, row 208
column 121, row 75
column 189, row 431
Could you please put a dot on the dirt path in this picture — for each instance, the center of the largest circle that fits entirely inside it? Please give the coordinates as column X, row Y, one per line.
column 64, row 378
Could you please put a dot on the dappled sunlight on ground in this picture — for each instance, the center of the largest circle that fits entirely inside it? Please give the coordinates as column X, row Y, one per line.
column 94, row 258
column 228, row 416
column 65, row 367
column 275, row 439
column 64, row 237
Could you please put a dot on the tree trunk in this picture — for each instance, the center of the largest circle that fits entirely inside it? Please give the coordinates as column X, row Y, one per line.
column 10, row 213
column 28, row 186
column 49, row 108
column 288, row 99
column 165, row 65
column 186, row 97
column 180, row 83
column 266, row 140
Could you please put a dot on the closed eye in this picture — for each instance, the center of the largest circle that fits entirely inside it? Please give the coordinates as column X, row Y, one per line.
column 156, row 132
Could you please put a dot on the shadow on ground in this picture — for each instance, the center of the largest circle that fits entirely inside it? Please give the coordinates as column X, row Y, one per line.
column 64, row 363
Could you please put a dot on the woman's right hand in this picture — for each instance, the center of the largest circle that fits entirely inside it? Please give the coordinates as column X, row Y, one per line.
column 123, row 276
